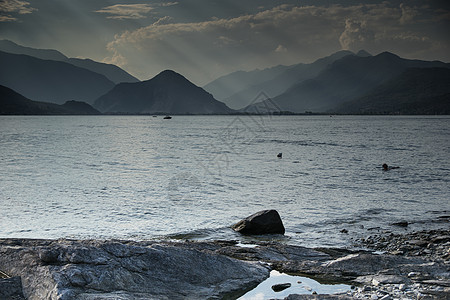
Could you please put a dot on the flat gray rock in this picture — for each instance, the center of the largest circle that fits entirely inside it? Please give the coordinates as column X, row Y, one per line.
column 115, row 270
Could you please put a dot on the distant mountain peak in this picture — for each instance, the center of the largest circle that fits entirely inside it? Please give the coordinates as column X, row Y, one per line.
column 168, row 74
column 363, row 53
column 387, row 54
column 169, row 77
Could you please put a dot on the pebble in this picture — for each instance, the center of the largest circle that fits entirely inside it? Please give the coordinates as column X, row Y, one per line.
column 400, row 292
column 431, row 245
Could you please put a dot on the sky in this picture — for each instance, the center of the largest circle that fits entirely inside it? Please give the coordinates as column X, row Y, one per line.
column 205, row 39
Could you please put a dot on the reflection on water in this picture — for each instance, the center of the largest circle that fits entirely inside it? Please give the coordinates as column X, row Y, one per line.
column 298, row 285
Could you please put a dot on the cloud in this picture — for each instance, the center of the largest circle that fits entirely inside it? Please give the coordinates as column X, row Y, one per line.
column 7, row 18
column 355, row 35
column 165, row 4
column 203, row 50
column 281, row 49
column 14, row 6
column 408, row 14
column 126, row 11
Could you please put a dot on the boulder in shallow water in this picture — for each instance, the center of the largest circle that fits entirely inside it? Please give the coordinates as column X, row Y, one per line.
column 263, row 222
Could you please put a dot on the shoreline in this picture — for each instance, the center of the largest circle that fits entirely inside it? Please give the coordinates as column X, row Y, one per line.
column 413, row 265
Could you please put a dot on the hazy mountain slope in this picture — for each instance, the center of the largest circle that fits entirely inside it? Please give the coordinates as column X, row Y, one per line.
column 49, row 80
column 12, row 103
column 281, row 82
column 112, row 72
column 345, row 79
column 415, row 91
column 225, row 86
column 11, row 47
column 168, row 92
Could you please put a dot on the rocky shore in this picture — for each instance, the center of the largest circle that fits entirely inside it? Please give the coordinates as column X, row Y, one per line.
column 409, row 266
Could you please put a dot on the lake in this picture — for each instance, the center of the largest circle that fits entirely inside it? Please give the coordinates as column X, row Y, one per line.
column 191, row 177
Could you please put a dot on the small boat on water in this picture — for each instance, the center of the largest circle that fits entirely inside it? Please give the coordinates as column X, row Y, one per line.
column 167, row 117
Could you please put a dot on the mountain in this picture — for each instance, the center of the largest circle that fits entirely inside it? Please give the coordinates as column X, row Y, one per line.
column 415, row 91
column 225, row 86
column 112, row 72
column 284, row 81
column 12, row 103
column 49, row 80
column 346, row 79
column 363, row 53
column 168, row 92
column 268, row 81
column 49, row 54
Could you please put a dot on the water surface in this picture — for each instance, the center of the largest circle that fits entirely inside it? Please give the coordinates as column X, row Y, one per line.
column 139, row 177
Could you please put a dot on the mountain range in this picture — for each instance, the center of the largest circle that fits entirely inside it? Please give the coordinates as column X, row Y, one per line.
column 12, row 103
column 344, row 82
column 240, row 89
column 345, row 79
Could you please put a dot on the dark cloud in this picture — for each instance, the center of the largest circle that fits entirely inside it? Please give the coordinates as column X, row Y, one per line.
column 205, row 39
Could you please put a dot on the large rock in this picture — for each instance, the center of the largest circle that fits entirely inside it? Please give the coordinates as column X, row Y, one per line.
column 263, row 222
column 123, row 270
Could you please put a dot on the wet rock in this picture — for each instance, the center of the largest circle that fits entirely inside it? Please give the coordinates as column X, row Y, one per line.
column 317, row 297
column 11, row 288
column 443, row 282
column 274, row 252
column 280, row 287
column 441, row 239
column 263, row 222
column 401, row 224
column 419, row 243
column 365, row 264
column 381, row 279
column 49, row 255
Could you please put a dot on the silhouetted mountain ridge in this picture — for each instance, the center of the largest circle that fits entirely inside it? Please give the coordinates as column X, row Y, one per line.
column 47, row 54
column 415, row 91
column 168, row 92
column 49, row 80
column 12, row 103
column 112, row 72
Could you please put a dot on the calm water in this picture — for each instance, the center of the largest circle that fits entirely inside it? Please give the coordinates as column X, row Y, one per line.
column 140, row 177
